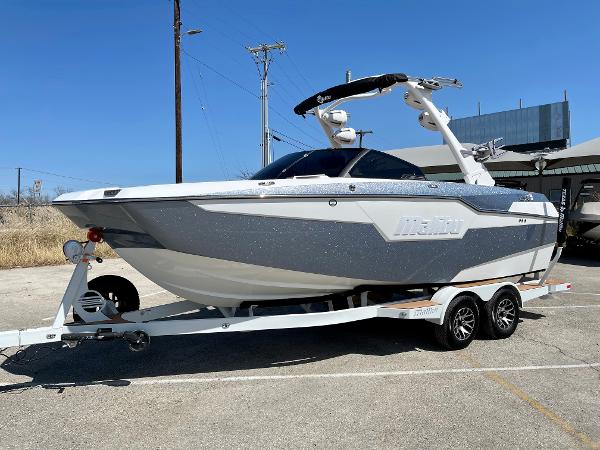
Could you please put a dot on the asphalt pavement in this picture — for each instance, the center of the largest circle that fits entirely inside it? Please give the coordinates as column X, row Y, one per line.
column 372, row 384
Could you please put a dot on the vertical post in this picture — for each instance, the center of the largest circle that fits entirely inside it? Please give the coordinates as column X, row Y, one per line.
column 262, row 59
column 178, row 143
column 348, row 76
column 18, row 185
column 266, row 143
column 478, row 108
column 520, row 103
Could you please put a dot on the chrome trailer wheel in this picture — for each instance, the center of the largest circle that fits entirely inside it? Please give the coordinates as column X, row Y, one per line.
column 461, row 323
column 501, row 314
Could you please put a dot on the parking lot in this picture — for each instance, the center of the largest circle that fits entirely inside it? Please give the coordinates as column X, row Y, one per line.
column 377, row 383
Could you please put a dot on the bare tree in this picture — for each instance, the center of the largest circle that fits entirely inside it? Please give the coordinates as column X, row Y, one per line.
column 60, row 190
column 244, row 174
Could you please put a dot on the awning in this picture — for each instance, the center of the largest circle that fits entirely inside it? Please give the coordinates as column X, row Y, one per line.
column 439, row 158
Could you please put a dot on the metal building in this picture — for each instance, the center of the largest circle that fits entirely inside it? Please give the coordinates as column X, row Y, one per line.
column 523, row 129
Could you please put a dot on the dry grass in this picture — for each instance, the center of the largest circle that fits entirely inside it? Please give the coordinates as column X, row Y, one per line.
column 34, row 236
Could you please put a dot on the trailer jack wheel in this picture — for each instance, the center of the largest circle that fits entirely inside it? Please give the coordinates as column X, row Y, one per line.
column 137, row 340
column 116, row 289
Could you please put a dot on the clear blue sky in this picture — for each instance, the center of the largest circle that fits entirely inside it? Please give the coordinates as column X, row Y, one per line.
column 86, row 86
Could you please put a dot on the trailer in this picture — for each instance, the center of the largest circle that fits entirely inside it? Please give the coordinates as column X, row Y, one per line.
column 457, row 311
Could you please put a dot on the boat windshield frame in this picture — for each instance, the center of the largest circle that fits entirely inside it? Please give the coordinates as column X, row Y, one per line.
column 351, row 158
column 583, row 194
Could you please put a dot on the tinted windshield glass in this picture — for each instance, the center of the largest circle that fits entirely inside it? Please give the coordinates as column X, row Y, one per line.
column 273, row 170
column 381, row 165
column 590, row 192
column 316, row 162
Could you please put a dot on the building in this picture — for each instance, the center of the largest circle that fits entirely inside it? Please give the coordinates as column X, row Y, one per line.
column 523, row 130
column 515, row 169
column 530, row 134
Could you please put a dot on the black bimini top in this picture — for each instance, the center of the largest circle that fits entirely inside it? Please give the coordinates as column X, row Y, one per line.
column 348, row 89
column 343, row 162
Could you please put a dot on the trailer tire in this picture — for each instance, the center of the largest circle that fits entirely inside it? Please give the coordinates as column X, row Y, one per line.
column 501, row 314
column 461, row 322
column 117, row 289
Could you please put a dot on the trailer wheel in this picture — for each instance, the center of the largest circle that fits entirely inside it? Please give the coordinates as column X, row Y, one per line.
column 460, row 323
column 116, row 289
column 501, row 314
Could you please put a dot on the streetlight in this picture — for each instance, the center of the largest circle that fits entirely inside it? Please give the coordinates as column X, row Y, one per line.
column 540, row 164
column 178, row 140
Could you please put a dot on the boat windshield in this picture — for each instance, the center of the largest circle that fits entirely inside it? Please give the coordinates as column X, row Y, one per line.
column 351, row 162
column 315, row 162
column 589, row 193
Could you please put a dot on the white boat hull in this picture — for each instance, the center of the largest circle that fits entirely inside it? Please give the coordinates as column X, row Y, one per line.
column 301, row 239
column 222, row 283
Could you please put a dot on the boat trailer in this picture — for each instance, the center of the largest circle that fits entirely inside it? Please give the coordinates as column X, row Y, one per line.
column 456, row 310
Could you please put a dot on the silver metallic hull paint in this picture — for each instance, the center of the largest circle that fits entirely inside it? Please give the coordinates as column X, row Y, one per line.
column 340, row 249
column 233, row 257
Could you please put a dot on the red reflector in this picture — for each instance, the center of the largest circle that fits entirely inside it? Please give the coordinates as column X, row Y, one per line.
column 94, row 235
column 568, row 285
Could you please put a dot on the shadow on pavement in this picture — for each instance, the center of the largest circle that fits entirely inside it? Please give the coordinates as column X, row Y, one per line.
column 112, row 363
column 581, row 257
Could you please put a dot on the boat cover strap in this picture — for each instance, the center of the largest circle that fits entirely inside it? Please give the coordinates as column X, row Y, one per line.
column 348, row 89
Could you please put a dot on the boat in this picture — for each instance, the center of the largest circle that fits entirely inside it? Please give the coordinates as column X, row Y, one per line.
column 585, row 215
column 328, row 222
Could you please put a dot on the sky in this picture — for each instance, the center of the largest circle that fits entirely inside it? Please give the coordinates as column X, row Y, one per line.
column 86, row 87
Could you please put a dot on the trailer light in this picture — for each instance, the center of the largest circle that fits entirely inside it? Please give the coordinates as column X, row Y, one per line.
column 73, row 251
column 94, row 235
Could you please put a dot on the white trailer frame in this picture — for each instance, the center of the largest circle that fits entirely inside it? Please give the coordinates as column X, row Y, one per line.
column 105, row 323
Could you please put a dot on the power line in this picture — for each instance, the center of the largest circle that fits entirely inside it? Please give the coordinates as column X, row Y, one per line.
column 272, row 38
column 209, row 127
column 288, row 105
column 225, row 77
column 292, row 82
column 68, row 177
column 289, row 137
column 293, row 124
column 279, row 138
column 210, row 119
column 248, row 91
column 300, row 73
column 229, row 26
column 249, row 22
column 262, row 57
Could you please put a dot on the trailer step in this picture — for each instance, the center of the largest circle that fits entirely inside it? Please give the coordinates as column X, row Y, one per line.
column 528, row 286
column 412, row 305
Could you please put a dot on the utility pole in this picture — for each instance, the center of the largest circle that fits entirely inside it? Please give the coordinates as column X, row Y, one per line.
column 178, row 144
column 262, row 57
column 18, row 185
column 361, row 133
